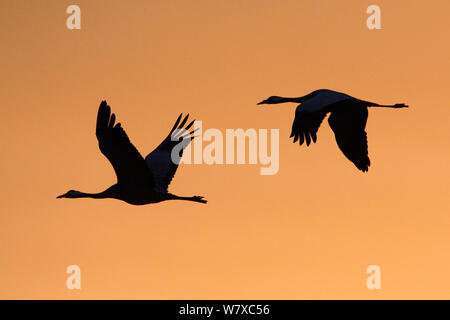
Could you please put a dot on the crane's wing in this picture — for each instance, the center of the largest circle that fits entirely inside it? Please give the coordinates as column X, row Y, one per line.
column 305, row 126
column 310, row 114
column 113, row 142
column 323, row 100
column 160, row 161
column 348, row 125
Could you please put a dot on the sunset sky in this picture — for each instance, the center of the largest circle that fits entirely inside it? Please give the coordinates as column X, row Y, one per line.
column 308, row 232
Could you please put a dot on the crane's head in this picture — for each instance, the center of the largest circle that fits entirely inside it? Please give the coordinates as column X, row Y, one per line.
column 70, row 194
column 272, row 100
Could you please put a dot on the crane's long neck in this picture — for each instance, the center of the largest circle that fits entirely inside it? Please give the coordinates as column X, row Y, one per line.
column 111, row 192
column 99, row 195
column 285, row 99
column 296, row 100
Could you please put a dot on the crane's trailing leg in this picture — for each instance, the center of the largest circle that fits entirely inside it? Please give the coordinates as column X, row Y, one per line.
column 194, row 198
column 398, row 105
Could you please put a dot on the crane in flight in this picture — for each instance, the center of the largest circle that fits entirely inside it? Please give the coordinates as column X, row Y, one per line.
column 139, row 181
column 348, row 117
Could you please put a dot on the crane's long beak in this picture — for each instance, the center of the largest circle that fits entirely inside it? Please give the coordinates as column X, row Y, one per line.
column 262, row 102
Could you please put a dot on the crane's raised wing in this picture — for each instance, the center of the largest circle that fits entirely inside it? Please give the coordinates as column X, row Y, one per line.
column 160, row 161
column 113, row 142
column 348, row 125
column 305, row 126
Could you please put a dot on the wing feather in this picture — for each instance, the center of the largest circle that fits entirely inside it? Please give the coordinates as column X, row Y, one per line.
column 348, row 124
column 114, row 143
column 305, row 126
column 160, row 161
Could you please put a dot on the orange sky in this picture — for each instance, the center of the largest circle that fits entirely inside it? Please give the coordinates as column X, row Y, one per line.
column 309, row 231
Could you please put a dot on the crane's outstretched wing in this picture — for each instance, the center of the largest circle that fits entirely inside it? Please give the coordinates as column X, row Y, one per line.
column 348, row 124
column 305, row 126
column 113, row 142
column 310, row 114
column 160, row 161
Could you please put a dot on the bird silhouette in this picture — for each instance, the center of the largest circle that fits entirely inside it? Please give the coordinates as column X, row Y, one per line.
column 139, row 181
column 348, row 117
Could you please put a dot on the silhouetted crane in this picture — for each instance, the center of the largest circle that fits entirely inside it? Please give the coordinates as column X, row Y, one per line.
column 139, row 181
column 348, row 117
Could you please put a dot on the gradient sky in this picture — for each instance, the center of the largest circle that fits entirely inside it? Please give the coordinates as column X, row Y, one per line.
column 308, row 232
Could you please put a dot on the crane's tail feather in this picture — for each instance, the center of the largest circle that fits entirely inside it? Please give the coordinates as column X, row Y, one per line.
column 397, row 105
